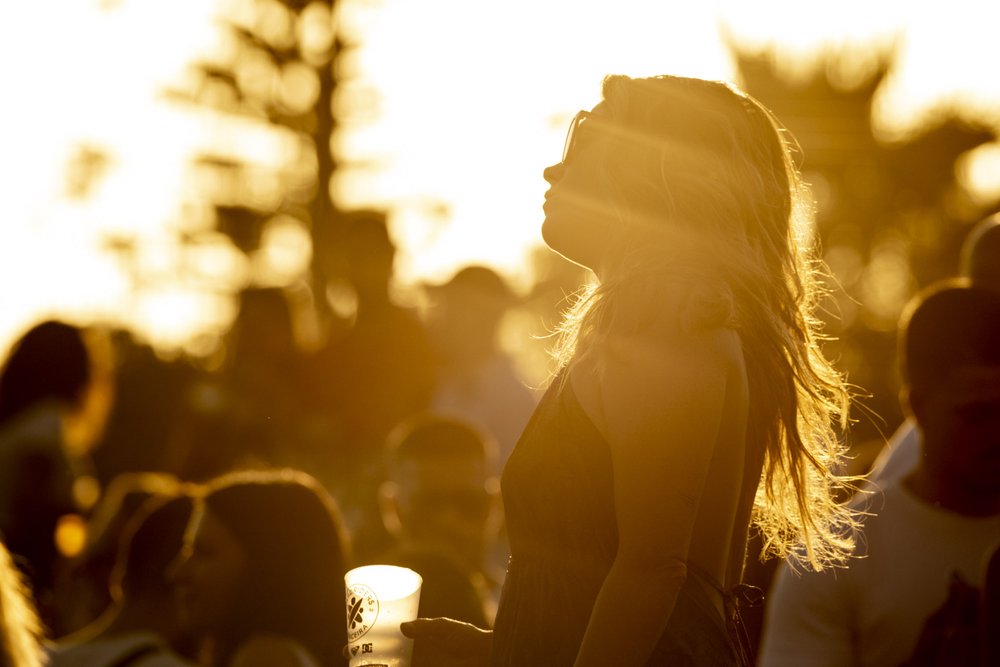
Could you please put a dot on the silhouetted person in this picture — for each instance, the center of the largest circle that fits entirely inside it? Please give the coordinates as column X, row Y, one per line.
column 980, row 264
column 86, row 588
column 150, row 398
column 252, row 412
column 690, row 376
column 261, row 579
column 979, row 261
column 440, row 498
column 20, row 629
column 906, row 598
column 374, row 375
column 54, row 396
column 266, row 375
column 478, row 379
column 142, row 625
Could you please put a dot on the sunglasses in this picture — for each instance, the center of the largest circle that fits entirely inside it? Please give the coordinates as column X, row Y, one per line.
column 572, row 134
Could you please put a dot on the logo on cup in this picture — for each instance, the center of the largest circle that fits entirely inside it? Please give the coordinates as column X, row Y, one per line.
column 362, row 610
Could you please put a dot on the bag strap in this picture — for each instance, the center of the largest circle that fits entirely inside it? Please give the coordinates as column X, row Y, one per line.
column 736, row 599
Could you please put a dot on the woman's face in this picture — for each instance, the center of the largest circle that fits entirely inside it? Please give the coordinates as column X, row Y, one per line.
column 209, row 574
column 579, row 207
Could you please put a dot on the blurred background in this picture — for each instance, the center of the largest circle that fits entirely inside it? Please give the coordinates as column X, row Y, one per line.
column 162, row 157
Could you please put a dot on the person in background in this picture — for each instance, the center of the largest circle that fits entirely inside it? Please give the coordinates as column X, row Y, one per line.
column 251, row 412
column 141, row 626
column 373, row 372
column 261, row 577
column 440, row 503
column 150, row 403
column 980, row 265
column 909, row 597
column 89, row 573
column 692, row 399
column 479, row 380
column 20, row 630
column 55, row 394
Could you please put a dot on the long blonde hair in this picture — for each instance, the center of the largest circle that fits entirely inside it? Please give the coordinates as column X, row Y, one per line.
column 713, row 227
column 20, row 629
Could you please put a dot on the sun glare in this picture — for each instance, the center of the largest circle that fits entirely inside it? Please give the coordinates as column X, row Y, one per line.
column 449, row 113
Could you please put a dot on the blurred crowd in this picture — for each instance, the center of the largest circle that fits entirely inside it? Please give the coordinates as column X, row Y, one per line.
column 158, row 513
column 243, row 492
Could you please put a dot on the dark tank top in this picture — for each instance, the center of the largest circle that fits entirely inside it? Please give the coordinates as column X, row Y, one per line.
column 559, row 506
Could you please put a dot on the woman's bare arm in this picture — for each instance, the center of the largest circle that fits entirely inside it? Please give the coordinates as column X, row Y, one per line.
column 661, row 404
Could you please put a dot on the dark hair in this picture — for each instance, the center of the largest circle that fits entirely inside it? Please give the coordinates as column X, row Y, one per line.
column 150, row 542
column 296, row 549
column 49, row 361
column 366, row 237
column 264, row 325
column 480, row 278
column 948, row 325
column 432, row 436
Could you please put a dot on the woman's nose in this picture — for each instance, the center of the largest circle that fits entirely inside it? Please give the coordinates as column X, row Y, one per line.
column 554, row 173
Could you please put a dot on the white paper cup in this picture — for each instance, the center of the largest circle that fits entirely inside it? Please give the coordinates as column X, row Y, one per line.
column 379, row 598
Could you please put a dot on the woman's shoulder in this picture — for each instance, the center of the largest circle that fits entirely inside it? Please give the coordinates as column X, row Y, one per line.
column 644, row 369
column 269, row 650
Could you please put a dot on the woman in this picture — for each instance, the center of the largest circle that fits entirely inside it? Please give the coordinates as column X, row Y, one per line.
column 692, row 397
column 143, row 532
column 55, row 393
column 261, row 578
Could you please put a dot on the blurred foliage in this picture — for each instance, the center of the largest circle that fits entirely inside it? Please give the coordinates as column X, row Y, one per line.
column 256, row 208
column 273, row 68
column 890, row 216
column 85, row 169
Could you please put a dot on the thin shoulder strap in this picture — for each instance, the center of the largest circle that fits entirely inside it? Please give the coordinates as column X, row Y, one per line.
column 709, row 579
column 740, row 594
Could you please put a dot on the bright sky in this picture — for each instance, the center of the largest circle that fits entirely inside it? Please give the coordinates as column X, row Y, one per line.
column 470, row 104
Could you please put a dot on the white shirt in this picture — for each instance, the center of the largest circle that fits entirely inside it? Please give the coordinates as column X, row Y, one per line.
column 872, row 612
